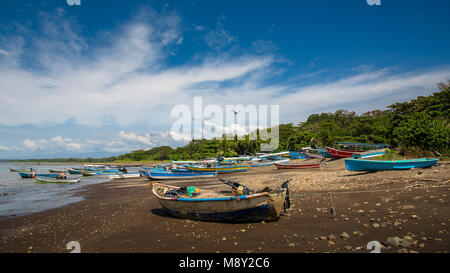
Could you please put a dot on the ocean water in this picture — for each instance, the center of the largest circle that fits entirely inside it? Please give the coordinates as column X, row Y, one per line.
column 21, row 196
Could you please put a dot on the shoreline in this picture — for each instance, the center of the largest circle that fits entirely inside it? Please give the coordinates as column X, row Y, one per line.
column 124, row 216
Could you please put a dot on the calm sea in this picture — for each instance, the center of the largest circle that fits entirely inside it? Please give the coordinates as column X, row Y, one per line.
column 19, row 196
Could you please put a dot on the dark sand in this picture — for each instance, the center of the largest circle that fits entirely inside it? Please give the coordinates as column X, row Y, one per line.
column 124, row 216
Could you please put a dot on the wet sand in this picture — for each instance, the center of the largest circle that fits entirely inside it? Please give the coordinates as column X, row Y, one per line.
column 124, row 216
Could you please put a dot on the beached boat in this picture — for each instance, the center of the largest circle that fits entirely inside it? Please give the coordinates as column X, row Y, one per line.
column 57, row 171
column 369, row 154
column 177, row 175
column 54, row 175
column 297, row 155
column 41, row 179
column 383, row 165
column 341, row 153
column 121, row 175
column 298, row 165
column 220, row 206
column 90, row 173
column 75, row 170
column 264, row 163
column 104, row 170
column 27, row 174
column 219, row 168
column 348, row 149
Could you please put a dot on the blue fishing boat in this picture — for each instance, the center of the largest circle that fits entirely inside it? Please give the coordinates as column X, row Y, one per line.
column 297, row 155
column 104, row 170
column 218, row 168
column 381, row 165
column 179, row 175
column 27, row 174
column 75, row 170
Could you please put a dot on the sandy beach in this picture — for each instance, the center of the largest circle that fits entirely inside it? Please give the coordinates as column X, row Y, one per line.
column 406, row 211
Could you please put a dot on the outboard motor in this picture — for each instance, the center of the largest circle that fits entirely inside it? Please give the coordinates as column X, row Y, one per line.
column 287, row 203
column 123, row 170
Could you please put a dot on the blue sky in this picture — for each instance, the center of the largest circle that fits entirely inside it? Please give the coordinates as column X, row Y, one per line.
column 101, row 78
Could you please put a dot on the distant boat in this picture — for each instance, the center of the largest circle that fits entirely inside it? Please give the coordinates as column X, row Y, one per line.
column 219, row 168
column 177, row 175
column 57, row 171
column 381, row 165
column 121, row 175
column 75, row 171
column 54, row 175
column 264, row 163
column 90, row 173
column 369, row 154
column 348, row 149
column 220, row 206
column 13, row 170
column 297, row 165
column 104, row 170
column 27, row 174
column 341, row 153
column 297, row 155
column 41, row 179
column 32, row 174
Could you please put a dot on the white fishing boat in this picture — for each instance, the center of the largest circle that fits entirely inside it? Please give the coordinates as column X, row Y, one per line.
column 41, row 179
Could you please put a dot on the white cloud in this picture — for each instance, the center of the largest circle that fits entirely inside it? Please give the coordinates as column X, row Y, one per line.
column 4, row 148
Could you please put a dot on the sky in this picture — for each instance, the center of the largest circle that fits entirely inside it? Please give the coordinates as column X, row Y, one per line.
column 102, row 78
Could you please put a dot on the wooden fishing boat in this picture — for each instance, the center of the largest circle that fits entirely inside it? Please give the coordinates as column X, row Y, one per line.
column 177, row 175
column 27, row 174
column 369, row 154
column 41, row 179
column 121, row 175
column 104, row 170
column 298, row 165
column 221, row 206
column 57, row 171
column 219, row 168
column 54, row 175
column 75, row 170
column 90, row 173
column 348, row 149
column 297, row 155
column 264, row 163
column 13, row 170
column 341, row 153
column 383, row 165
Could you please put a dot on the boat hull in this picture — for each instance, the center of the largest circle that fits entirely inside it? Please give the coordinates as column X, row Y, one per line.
column 379, row 165
column 341, row 153
column 223, row 169
column 55, row 180
column 27, row 174
column 298, row 166
column 180, row 175
column 268, row 163
column 245, row 208
column 122, row 175
column 75, row 171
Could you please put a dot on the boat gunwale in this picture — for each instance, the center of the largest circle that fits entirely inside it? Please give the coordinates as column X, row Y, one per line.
column 416, row 160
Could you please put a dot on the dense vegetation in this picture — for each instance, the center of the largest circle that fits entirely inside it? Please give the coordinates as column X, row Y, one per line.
column 416, row 128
